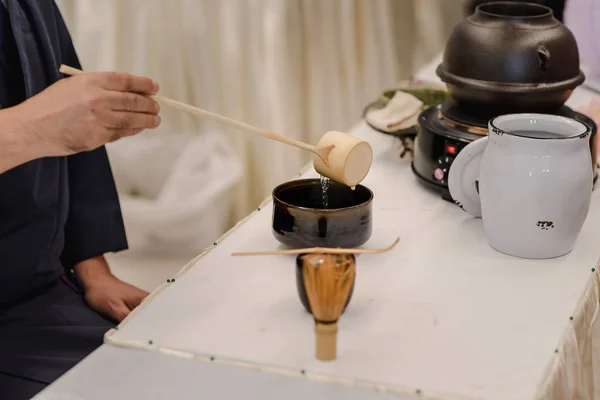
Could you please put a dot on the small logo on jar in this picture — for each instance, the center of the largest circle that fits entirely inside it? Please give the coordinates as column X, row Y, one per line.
column 497, row 131
column 545, row 225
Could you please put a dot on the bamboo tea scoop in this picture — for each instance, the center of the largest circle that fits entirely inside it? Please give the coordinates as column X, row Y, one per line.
column 338, row 156
column 328, row 280
column 314, row 250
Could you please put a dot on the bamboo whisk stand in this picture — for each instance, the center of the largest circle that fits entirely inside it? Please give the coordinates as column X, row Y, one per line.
column 328, row 279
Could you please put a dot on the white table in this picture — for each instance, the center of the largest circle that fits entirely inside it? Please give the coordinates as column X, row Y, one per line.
column 112, row 373
column 441, row 316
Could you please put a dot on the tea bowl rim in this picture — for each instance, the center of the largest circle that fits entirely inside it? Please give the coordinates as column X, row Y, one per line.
column 311, row 181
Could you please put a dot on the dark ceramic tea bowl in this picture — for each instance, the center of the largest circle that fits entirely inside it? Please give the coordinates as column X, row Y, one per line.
column 302, row 289
column 300, row 219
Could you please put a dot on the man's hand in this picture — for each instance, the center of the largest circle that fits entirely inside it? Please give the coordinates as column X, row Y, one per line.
column 104, row 292
column 114, row 298
column 86, row 111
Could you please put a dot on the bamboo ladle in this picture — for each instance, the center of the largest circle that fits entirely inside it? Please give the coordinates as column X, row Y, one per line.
column 339, row 156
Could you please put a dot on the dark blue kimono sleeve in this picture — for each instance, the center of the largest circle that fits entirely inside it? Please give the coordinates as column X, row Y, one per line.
column 95, row 224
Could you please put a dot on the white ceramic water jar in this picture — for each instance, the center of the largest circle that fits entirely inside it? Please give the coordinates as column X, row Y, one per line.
column 530, row 180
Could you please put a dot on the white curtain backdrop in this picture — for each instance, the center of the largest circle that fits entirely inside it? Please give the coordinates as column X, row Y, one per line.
column 296, row 67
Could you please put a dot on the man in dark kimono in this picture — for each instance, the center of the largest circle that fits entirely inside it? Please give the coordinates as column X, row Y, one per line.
column 59, row 210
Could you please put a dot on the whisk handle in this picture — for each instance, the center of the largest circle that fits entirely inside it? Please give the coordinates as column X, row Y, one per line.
column 326, row 340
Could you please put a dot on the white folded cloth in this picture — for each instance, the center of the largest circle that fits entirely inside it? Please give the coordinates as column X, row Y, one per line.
column 401, row 112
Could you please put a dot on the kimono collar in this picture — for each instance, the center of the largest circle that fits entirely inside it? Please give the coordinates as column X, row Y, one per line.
column 35, row 28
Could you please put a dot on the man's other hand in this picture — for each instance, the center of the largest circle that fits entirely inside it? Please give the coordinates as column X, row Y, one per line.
column 113, row 297
column 104, row 292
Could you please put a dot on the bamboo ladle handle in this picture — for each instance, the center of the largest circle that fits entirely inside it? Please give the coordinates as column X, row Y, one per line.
column 324, row 250
column 322, row 152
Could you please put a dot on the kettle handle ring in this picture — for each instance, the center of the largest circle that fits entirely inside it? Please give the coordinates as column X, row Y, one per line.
column 543, row 57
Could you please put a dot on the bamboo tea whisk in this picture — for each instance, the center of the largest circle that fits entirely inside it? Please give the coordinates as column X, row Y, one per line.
column 328, row 279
